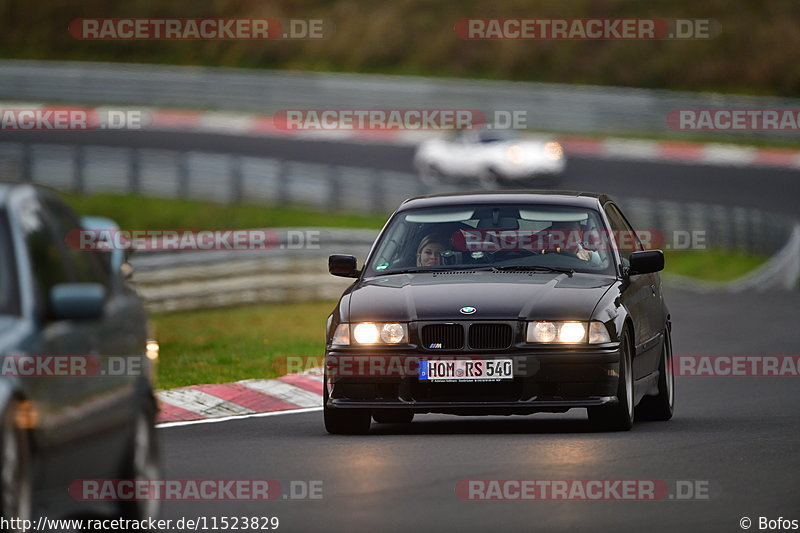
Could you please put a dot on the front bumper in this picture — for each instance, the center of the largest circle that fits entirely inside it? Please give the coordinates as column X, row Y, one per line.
column 553, row 381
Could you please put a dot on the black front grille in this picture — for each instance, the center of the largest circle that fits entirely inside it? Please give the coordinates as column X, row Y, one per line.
column 443, row 336
column 490, row 336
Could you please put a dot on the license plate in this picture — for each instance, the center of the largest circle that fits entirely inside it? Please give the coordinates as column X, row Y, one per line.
column 466, row 370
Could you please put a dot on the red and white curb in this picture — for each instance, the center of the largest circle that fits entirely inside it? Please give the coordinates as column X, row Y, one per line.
column 241, row 399
column 244, row 124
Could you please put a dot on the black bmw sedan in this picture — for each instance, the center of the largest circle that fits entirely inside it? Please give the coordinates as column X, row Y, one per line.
column 496, row 304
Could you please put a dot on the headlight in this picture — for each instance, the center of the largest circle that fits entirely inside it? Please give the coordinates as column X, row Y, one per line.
column 515, row 154
column 567, row 332
column 371, row 333
column 554, row 150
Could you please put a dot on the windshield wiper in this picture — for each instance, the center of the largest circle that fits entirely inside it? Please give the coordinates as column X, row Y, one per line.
column 537, row 268
column 424, row 270
column 407, row 271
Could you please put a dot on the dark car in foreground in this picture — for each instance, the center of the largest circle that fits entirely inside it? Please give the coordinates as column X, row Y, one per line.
column 75, row 392
column 496, row 304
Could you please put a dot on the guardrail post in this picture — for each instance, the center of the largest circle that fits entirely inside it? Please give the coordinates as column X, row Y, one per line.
column 26, row 163
column 134, row 171
column 378, row 191
column 283, row 182
column 334, row 188
column 183, row 174
column 236, row 178
column 78, row 163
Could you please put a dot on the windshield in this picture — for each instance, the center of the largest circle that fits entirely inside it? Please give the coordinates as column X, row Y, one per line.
column 9, row 298
column 506, row 237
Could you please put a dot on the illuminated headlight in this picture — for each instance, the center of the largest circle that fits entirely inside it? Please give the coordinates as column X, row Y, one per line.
column 151, row 349
column 554, row 150
column 371, row 333
column 515, row 154
column 567, row 332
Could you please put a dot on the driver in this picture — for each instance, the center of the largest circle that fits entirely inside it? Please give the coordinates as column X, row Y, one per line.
column 430, row 249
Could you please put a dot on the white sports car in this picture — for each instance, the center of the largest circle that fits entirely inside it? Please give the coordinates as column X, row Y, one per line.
column 494, row 157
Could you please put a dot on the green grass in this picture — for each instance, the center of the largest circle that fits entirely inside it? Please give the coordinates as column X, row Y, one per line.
column 144, row 212
column 712, row 265
column 224, row 345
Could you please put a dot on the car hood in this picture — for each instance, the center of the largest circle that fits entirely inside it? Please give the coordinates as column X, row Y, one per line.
column 495, row 296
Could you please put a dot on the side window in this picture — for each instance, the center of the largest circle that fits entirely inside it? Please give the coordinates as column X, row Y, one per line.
column 624, row 236
column 88, row 266
column 44, row 252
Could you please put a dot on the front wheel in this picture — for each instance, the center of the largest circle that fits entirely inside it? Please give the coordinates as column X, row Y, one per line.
column 618, row 417
column 660, row 407
column 143, row 463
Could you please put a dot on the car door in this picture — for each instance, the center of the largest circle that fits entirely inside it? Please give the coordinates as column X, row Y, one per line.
column 87, row 414
column 640, row 295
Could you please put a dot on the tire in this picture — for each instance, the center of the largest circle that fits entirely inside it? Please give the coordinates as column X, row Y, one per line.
column 142, row 461
column 393, row 416
column 16, row 470
column 618, row 417
column 661, row 407
column 344, row 421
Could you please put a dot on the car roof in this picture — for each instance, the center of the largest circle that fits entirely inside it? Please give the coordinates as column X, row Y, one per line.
column 567, row 198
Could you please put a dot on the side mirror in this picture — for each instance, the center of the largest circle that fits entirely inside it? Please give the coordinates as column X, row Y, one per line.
column 343, row 265
column 77, row 301
column 646, row 262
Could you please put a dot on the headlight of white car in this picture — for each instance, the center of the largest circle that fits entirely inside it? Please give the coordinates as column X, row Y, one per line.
column 553, row 150
column 515, row 154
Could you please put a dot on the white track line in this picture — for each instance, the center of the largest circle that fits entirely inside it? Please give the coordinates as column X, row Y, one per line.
column 166, row 425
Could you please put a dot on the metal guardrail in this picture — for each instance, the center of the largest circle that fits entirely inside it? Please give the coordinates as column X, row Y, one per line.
column 188, row 280
column 549, row 107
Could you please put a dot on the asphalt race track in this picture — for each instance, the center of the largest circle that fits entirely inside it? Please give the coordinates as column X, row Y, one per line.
column 772, row 189
column 739, row 435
